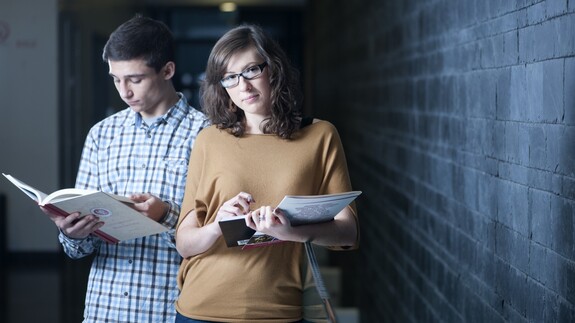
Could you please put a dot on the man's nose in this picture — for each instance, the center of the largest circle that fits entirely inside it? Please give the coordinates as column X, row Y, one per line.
column 124, row 90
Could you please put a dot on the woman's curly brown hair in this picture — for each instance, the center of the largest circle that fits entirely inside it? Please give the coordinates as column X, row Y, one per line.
column 286, row 95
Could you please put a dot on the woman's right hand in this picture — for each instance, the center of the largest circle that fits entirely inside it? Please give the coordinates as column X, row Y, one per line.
column 236, row 206
column 191, row 239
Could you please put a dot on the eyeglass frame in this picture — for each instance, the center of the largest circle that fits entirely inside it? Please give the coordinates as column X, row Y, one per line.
column 260, row 66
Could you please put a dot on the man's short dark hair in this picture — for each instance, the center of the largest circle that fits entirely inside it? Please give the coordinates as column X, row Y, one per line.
column 141, row 38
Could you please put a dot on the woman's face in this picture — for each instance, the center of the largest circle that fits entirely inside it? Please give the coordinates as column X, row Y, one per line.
column 252, row 96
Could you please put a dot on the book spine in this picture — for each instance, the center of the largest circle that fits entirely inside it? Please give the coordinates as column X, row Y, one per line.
column 261, row 244
column 56, row 210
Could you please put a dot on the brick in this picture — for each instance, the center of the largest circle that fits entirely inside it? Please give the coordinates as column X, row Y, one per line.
column 499, row 146
column 568, row 98
column 541, row 228
column 499, row 50
column 503, row 94
column 537, row 145
column 535, row 299
column 519, row 104
column 486, row 198
column 555, row 8
column 553, row 148
column 551, row 109
column 512, row 248
column 512, row 206
column 538, row 264
column 562, row 224
column 537, row 42
column 543, row 100
column 566, row 157
column 536, row 13
column 516, row 149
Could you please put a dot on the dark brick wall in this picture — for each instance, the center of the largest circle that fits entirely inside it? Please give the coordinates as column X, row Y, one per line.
column 458, row 120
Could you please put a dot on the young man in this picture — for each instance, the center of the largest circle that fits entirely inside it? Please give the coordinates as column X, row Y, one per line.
column 141, row 152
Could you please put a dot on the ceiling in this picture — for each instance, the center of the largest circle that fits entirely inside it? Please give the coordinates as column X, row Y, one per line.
column 217, row 2
column 239, row 3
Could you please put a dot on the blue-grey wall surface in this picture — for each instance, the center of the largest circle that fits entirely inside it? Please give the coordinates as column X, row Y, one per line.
column 458, row 120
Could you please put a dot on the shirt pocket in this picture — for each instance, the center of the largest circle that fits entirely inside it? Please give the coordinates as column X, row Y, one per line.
column 176, row 166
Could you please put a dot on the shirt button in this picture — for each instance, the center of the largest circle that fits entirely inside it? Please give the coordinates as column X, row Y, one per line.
column 143, row 165
column 130, row 261
column 125, row 293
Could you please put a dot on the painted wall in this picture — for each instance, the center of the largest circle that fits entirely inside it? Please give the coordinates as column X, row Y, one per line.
column 28, row 116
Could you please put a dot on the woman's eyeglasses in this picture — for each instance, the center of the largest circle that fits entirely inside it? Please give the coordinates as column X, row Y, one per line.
column 248, row 74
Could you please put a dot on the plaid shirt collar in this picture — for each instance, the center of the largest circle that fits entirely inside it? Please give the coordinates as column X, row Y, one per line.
column 173, row 116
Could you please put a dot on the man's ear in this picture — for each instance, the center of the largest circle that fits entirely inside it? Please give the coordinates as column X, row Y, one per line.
column 169, row 70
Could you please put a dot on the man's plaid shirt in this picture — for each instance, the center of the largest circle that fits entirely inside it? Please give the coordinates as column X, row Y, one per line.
column 135, row 281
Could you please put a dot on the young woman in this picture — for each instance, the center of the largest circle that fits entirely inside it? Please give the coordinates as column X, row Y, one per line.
column 256, row 152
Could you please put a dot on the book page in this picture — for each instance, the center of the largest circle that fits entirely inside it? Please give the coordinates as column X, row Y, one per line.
column 308, row 209
column 64, row 194
column 32, row 192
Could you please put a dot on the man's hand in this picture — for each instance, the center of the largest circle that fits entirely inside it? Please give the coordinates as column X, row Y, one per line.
column 73, row 225
column 150, row 205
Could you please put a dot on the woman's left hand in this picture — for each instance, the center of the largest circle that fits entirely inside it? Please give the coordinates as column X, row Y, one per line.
column 270, row 221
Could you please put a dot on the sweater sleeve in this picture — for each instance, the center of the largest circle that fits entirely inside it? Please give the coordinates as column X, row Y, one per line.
column 336, row 176
column 195, row 171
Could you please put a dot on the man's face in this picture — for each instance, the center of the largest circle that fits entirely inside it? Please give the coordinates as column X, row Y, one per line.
column 140, row 86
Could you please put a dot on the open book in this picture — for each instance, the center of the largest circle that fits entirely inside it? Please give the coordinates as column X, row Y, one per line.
column 121, row 221
column 299, row 209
